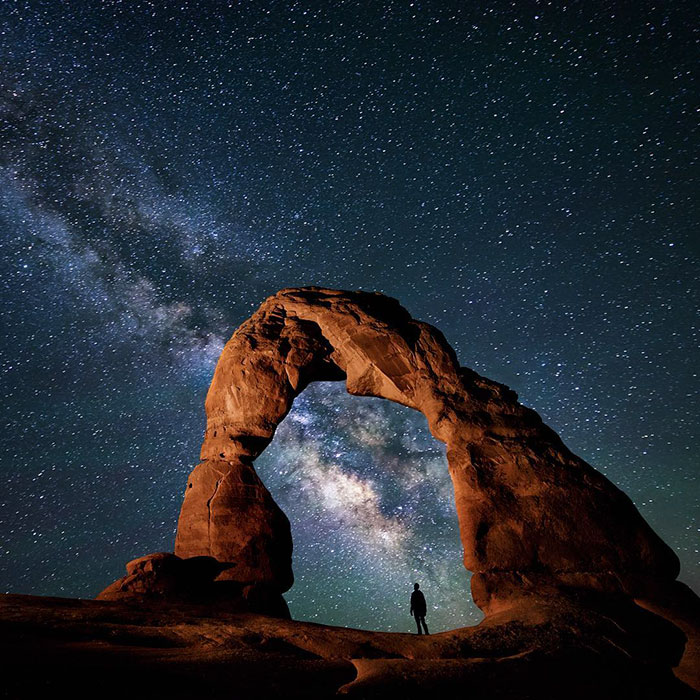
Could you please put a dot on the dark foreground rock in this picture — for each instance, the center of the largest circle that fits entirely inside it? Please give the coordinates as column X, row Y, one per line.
column 123, row 648
column 165, row 577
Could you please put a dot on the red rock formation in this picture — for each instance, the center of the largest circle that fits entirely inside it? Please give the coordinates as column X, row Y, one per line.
column 534, row 518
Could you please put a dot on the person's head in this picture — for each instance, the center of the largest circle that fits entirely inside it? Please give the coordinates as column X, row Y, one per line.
column 415, row 586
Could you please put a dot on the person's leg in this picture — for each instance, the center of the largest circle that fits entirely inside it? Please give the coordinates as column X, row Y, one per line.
column 425, row 627
column 417, row 622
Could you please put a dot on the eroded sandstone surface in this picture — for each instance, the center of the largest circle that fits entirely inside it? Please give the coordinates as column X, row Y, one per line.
column 533, row 517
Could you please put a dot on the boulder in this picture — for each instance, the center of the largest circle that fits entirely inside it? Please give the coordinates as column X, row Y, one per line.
column 166, row 576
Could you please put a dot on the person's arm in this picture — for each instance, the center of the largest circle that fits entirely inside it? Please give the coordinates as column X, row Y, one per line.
column 411, row 604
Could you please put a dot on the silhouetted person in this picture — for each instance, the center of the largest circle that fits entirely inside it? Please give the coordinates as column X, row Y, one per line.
column 419, row 608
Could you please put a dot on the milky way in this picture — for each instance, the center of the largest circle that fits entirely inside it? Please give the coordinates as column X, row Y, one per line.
column 518, row 175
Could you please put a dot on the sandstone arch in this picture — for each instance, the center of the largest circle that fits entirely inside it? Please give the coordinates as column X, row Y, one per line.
column 534, row 518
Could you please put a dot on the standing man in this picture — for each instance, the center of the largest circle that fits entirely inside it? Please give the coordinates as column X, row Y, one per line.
column 419, row 608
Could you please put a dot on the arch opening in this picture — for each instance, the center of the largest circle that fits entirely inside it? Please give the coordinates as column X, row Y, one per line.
column 371, row 505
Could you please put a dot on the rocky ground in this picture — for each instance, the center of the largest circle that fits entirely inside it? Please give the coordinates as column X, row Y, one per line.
column 110, row 649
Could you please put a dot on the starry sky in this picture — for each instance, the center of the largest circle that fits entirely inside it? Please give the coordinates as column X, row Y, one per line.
column 519, row 174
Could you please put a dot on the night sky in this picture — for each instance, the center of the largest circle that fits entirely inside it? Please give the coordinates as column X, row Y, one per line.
column 520, row 175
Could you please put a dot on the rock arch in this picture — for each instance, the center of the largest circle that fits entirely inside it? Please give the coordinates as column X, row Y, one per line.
column 534, row 518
